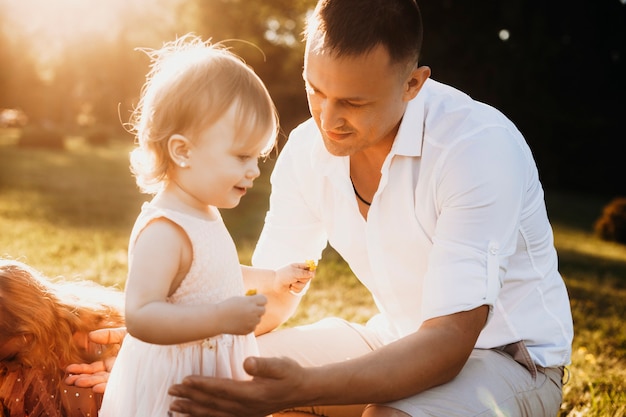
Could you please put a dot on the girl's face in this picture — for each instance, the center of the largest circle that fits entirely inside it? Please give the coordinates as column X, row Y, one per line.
column 219, row 167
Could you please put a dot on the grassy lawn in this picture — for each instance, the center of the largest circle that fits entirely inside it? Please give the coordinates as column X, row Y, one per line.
column 69, row 213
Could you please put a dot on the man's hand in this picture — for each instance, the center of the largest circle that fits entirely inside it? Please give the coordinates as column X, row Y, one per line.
column 274, row 380
column 96, row 374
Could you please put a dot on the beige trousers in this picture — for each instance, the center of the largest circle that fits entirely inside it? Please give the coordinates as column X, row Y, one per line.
column 494, row 382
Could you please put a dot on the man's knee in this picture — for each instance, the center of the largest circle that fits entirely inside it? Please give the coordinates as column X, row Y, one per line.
column 374, row 410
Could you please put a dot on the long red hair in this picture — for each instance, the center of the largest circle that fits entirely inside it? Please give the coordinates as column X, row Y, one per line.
column 49, row 314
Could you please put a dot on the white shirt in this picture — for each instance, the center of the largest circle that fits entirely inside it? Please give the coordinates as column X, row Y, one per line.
column 458, row 221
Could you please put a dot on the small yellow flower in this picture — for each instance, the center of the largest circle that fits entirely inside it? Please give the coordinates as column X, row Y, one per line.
column 310, row 264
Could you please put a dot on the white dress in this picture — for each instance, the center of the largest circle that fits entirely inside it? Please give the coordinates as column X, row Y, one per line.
column 143, row 372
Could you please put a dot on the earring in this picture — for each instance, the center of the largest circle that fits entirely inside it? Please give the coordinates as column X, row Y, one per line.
column 183, row 164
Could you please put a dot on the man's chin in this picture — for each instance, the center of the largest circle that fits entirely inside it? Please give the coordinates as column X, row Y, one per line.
column 336, row 148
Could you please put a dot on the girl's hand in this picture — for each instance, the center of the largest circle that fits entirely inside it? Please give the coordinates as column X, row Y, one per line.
column 294, row 278
column 96, row 374
column 241, row 315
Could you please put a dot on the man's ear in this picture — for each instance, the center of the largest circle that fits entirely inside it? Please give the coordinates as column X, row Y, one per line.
column 415, row 82
column 179, row 149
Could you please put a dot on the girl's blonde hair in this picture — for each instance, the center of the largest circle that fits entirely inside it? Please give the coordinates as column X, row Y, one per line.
column 190, row 85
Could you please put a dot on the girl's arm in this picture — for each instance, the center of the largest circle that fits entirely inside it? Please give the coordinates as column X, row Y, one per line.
column 283, row 289
column 160, row 260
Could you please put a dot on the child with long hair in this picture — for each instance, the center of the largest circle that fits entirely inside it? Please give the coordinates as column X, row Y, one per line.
column 44, row 327
column 203, row 121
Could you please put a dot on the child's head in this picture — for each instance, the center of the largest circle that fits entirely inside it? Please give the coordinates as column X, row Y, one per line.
column 39, row 317
column 190, row 86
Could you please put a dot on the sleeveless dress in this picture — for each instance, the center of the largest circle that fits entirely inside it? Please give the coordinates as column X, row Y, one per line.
column 143, row 372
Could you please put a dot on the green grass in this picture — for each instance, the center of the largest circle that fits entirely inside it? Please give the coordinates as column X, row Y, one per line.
column 70, row 212
column 595, row 274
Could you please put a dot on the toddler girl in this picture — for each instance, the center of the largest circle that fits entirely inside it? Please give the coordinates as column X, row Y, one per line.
column 203, row 121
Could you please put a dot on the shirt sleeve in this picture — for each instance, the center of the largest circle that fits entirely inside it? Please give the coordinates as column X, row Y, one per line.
column 293, row 232
column 479, row 191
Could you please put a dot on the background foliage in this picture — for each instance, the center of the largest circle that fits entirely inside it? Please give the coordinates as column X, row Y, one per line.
column 72, row 68
column 555, row 68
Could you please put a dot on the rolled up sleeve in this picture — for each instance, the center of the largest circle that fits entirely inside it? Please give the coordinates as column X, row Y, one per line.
column 476, row 228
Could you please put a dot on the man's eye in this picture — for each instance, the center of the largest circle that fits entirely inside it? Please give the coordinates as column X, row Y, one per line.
column 313, row 92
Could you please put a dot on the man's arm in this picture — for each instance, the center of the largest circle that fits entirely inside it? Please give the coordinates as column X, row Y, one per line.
column 433, row 355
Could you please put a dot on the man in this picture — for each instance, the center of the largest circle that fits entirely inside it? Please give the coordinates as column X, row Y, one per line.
column 434, row 201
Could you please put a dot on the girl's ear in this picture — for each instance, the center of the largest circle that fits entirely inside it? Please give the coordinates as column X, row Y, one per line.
column 179, row 149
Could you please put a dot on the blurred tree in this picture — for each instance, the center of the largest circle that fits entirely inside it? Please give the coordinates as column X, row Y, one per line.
column 558, row 73
column 272, row 45
column 555, row 68
column 88, row 77
column 17, row 69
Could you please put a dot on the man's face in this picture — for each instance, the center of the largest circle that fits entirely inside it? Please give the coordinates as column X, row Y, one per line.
column 357, row 102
